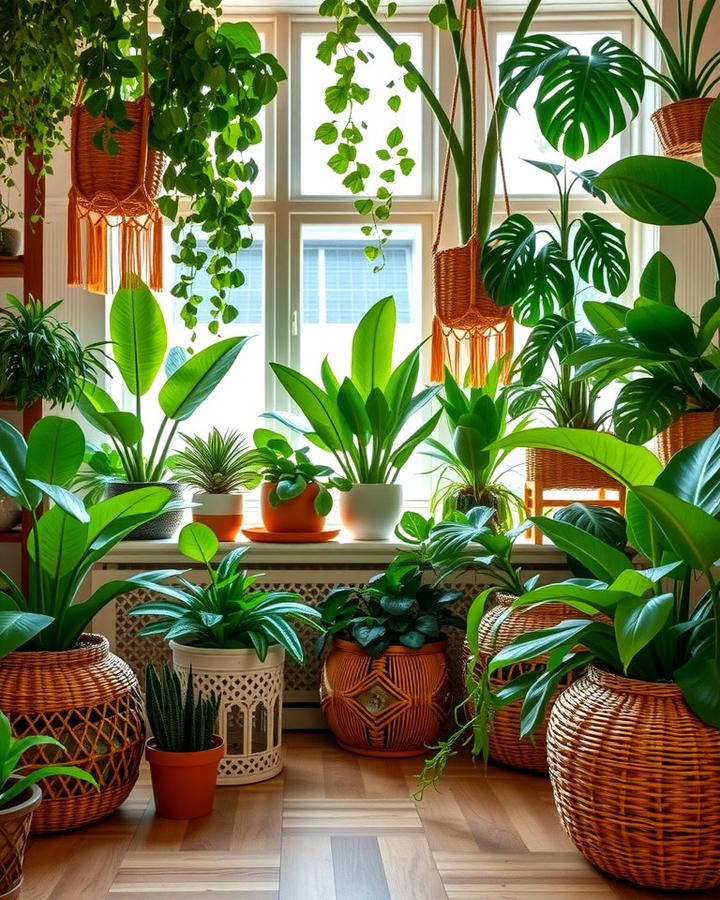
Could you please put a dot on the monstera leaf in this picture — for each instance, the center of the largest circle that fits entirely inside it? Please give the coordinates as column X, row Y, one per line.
column 646, row 406
column 600, row 254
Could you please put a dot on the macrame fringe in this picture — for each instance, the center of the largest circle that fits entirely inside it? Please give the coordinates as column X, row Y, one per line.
column 472, row 350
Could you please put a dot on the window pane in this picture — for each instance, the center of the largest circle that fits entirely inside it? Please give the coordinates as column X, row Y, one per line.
column 316, row 178
column 522, row 138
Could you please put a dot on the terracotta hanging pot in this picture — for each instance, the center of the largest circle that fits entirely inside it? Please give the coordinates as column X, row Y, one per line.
column 679, row 126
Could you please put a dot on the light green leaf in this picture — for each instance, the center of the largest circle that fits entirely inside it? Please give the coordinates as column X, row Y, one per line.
column 138, row 335
column 198, row 542
column 55, row 451
column 372, row 347
column 658, row 279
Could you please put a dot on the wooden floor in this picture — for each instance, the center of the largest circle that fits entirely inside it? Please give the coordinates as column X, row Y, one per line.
column 333, row 827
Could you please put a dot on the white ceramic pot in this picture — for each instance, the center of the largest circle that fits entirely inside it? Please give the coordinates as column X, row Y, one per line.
column 370, row 512
column 250, row 716
column 221, row 512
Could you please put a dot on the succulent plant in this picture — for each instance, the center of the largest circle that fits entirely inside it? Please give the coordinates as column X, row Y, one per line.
column 180, row 721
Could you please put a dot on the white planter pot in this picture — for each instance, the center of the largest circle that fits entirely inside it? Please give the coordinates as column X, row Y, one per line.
column 250, row 716
column 370, row 512
column 221, row 512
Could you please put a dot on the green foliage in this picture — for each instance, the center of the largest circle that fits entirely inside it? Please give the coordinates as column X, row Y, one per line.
column 42, row 358
column 13, row 780
column 65, row 541
column 219, row 464
column 181, row 720
column 291, row 476
column 467, row 471
column 229, row 612
column 360, row 419
column 602, row 522
column 138, row 348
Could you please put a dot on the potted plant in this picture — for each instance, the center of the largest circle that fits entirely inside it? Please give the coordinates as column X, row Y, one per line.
column 468, row 474
column 20, row 794
column 55, row 678
column 385, row 688
column 138, row 349
column 220, row 466
column 361, row 421
column 654, row 679
column 10, row 238
column 184, row 751
column 233, row 635
column 295, row 496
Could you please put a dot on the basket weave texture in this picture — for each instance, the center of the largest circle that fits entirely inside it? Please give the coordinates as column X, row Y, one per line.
column 561, row 471
column 636, row 780
column 679, row 126
column 89, row 700
column 506, row 745
column 14, row 831
column 391, row 705
column 687, row 429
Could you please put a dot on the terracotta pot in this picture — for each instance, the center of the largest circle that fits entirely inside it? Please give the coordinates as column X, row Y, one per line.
column 636, row 780
column 89, row 700
column 297, row 515
column 689, row 428
column 14, row 830
column 222, row 513
column 391, row 705
column 163, row 527
column 679, row 126
column 184, row 783
column 506, row 745
column 370, row 512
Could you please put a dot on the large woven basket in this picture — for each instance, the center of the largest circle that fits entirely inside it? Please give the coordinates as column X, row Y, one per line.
column 506, row 745
column 636, row 779
column 679, row 126
column 391, row 705
column 687, row 429
column 89, row 700
column 562, row 471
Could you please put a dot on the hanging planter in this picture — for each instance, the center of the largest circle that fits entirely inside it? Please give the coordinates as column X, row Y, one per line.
column 679, row 126
column 114, row 191
column 689, row 428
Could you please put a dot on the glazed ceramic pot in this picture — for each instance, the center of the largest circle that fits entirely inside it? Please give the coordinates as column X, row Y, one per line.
column 222, row 513
column 296, row 516
column 164, row 526
column 370, row 512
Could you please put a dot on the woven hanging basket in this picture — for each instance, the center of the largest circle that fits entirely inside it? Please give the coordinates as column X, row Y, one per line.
column 679, row 126
column 561, row 471
column 506, row 745
column 115, row 191
column 687, row 429
column 636, row 780
column 391, row 705
column 90, row 701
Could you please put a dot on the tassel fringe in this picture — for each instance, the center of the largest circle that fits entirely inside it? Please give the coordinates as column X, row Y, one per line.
column 478, row 349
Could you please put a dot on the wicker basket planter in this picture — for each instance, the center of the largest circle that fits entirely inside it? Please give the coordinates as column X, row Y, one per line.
column 506, row 745
column 687, row 429
column 391, row 705
column 558, row 471
column 636, row 779
column 14, row 830
column 679, row 126
column 89, row 700
column 250, row 717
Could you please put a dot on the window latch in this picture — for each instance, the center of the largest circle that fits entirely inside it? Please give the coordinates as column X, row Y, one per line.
column 294, row 323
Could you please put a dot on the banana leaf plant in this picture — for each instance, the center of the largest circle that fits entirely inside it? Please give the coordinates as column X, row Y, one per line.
column 534, row 270
column 361, row 421
column 655, row 631
column 468, row 473
column 138, row 349
column 65, row 541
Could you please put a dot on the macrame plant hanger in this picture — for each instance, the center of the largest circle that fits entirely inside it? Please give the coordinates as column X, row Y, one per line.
column 114, row 192
column 468, row 327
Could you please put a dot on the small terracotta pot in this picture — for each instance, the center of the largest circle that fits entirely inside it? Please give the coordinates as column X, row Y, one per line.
column 184, row 783
column 297, row 515
column 222, row 513
column 14, row 829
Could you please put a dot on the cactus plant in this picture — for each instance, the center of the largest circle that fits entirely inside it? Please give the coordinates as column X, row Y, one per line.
column 181, row 721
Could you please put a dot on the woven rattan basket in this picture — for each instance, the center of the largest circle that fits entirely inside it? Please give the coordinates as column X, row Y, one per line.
column 560, row 471
column 506, row 745
column 636, row 779
column 391, row 705
column 687, row 429
column 679, row 126
column 90, row 701
column 14, row 831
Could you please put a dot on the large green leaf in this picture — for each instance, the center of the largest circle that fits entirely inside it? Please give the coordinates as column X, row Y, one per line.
column 657, row 190
column 644, row 533
column 600, row 254
column 645, row 406
column 17, row 628
column 66, row 500
column 198, row 542
column 606, row 316
column 690, row 531
column 624, row 462
column 711, row 138
column 605, row 562
column 319, row 408
column 372, row 347
column 197, row 378
column 699, row 681
column 693, row 474
column 352, row 407
column 637, row 620
column 658, row 279
column 55, row 451
column 13, row 453
column 662, row 328
column 138, row 335
column 553, row 333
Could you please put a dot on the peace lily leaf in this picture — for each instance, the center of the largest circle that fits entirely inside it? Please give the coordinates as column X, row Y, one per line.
column 138, row 335
column 662, row 328
column 13, row 455
column 372, row 346
column 699, row 681
column 55, row 450
column 658, row 280
column 605, row 562
column 693, row 475
column 637, row 620
column 17, row 628
column 67, row 501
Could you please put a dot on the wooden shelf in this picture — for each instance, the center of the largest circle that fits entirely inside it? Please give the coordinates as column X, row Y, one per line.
column 11, row 537
column 12, row 266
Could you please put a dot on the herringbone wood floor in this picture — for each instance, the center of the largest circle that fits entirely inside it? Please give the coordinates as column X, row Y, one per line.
column 333, row 827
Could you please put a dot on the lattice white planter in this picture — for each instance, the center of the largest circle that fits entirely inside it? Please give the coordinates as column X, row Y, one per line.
column 250, row 718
